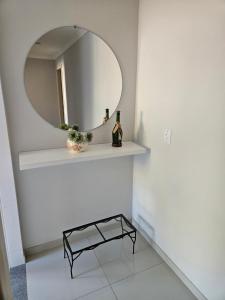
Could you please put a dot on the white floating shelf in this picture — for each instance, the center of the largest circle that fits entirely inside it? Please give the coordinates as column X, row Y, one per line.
column 55, row 157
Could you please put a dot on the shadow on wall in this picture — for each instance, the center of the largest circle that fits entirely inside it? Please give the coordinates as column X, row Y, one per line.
column 145, row 227
column 140, row 131
column 144, row 159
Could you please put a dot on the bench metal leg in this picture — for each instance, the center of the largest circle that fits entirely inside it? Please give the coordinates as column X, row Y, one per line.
column 134, row 241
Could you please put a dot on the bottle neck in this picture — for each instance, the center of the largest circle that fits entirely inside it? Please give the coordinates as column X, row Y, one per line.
column 118, row 117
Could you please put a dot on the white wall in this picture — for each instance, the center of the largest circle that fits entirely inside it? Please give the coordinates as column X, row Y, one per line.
column 5, row 288
column 8, row 200
column 76, row 194
column 41, row 86
column 179, row 189
column 21, row 24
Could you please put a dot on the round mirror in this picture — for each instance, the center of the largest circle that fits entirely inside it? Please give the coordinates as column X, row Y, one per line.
column 73, row 77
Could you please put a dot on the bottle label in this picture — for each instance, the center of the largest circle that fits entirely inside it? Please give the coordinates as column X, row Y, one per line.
column 117, row 126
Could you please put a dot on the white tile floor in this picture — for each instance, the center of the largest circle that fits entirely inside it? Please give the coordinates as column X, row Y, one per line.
column 109, row 272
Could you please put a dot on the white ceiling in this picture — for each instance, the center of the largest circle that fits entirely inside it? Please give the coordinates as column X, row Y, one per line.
column 55, row 42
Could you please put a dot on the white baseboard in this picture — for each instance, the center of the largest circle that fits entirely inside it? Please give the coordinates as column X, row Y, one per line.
column 188, row 283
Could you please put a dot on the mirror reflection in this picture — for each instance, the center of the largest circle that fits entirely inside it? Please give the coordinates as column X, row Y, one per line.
column 72, row 76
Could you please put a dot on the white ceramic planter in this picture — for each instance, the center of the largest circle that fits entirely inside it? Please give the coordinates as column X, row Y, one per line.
column 81, row 147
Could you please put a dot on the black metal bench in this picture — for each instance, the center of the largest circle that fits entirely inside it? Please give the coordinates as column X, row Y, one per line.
column 130, row 231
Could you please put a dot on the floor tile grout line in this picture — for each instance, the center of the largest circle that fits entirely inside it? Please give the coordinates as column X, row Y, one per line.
column 101, row 265
column 136, row 273
column 102, row 268
column 133, row 274
column 94, row 291
column 106, row 276
column 108, row 285
column 85, row 272
column 114, row 293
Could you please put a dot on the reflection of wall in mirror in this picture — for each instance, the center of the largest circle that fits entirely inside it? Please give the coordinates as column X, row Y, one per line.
column 61, row 88
column 93, row 81
column 41, row 86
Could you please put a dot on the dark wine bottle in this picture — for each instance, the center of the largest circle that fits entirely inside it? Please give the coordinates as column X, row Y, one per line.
column 117, row 133
column 106, row 118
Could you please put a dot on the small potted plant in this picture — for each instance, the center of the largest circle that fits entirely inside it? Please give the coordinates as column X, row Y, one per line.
column 77, row 140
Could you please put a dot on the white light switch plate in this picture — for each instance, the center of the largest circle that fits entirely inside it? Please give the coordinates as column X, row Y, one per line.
column 167, row 136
